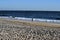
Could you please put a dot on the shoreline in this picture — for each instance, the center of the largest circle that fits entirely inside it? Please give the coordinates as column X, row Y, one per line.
column 32, row 19
column 30, row 23
column 28, row 30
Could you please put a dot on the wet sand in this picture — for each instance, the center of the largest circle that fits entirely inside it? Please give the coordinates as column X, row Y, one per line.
column 28, row 30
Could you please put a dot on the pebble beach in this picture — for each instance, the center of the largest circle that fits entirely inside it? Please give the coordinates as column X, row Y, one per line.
column 10, row 30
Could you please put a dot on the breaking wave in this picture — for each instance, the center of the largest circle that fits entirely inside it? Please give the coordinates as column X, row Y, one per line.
column 30, row 19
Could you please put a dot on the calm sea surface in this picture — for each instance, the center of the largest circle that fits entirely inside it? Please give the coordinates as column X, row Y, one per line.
column 32, row 14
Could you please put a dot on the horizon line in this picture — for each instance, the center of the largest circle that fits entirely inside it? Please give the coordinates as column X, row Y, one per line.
column 27, row 10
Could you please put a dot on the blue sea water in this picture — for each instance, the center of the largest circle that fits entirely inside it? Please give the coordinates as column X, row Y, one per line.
column 33, row 14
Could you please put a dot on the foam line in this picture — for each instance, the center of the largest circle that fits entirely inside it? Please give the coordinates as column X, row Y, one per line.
column 30, row 19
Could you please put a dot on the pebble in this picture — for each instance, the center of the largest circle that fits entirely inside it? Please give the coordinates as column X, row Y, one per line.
column 29, row 33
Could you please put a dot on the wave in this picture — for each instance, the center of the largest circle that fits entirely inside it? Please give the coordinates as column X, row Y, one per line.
column 37, row 19
column 4, row 17
column 30, row 19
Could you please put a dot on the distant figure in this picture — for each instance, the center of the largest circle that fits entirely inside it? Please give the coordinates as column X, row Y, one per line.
column 32, row 19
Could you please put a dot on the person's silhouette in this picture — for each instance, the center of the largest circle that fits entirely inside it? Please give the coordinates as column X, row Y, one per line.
column 32, row 19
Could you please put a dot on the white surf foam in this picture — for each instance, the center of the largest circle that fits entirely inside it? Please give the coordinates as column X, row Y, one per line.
column 47, row 20
column 39, row 20
column 30, row 19
column 3, row 17
column 22, row 18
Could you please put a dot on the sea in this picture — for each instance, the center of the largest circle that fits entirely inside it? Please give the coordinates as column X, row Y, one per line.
column 32, row 14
